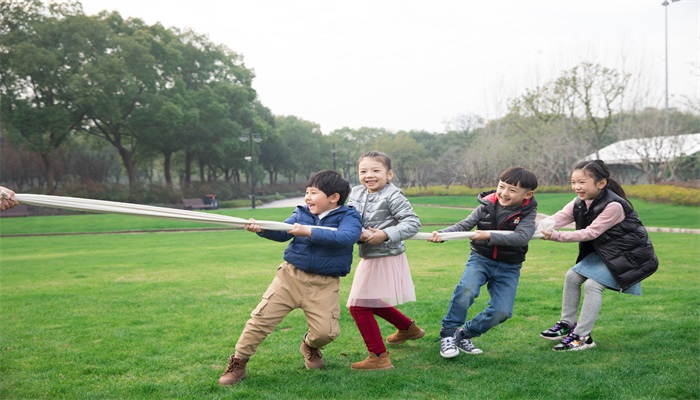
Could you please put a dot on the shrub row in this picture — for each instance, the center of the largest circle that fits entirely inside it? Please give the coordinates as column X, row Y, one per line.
column 656, row 193
column 456, row 190
column 665, row 194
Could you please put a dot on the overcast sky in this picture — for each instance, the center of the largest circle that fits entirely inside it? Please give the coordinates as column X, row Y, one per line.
column 411, row 65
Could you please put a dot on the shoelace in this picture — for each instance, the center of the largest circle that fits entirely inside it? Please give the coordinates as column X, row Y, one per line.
column 569, row 338
column 232, row 364
column 557, row 327
column 467, row 344
column 447, row 343
column 313, row 353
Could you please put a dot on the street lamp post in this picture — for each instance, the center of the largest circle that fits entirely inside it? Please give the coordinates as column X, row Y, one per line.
column 333, row 151
column 665, row 4
column 348, row 170
column 252, row 137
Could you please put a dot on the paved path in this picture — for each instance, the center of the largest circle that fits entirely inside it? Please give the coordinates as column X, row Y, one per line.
column 286, row 203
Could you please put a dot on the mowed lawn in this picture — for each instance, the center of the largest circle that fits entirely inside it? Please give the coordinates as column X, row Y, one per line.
column 156, row 314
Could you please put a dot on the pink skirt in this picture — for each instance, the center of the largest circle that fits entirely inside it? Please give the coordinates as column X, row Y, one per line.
column 382, row 282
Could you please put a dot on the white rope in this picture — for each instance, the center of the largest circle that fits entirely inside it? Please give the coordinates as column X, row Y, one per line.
column 79, row 204
column 75, row 203
column 546, row 224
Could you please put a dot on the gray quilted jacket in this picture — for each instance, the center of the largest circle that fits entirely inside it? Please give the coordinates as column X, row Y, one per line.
column 390, row 211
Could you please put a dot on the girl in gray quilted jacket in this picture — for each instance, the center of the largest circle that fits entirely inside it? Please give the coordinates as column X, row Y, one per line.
column 382, row 278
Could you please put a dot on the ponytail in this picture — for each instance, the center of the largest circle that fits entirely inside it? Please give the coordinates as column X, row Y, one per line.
column 599, row 171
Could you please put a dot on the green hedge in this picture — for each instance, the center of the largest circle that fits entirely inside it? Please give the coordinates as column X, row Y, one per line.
column 656, row 193
column 665, row 194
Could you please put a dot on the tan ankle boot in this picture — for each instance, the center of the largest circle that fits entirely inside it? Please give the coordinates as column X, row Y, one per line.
column 312, row 356
column 235, row 372
column 412, row 333
column 374, row 361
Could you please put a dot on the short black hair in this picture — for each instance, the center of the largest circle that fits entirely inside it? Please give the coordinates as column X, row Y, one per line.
column 518, row 176
column 329, row 182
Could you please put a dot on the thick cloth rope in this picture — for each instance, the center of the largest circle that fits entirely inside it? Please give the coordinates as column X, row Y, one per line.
column 103, row 206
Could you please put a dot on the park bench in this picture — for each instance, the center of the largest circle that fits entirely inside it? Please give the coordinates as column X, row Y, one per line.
column 21, row 210
column 196, row 204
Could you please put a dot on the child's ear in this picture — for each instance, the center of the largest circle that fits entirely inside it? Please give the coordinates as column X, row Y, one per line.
column 334, row 198
column 529, row 194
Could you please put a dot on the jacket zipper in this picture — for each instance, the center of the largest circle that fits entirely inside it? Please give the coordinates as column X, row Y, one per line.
column 495, row 247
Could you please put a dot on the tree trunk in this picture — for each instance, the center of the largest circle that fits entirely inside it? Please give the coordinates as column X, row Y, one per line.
column 189, row 158
column 48, row 173
column 128, row 162
column 166, row 170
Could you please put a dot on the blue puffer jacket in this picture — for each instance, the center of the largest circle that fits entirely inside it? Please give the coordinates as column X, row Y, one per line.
column 326, row 251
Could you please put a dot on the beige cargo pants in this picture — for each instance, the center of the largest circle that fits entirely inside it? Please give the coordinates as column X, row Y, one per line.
column 292, row 288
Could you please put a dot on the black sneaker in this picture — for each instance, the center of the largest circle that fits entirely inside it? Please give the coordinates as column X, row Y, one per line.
column 575, row 342
column 558, row 331
column 465, row 345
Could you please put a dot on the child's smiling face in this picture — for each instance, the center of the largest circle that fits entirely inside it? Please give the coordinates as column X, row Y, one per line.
column 512, row 195
column 319, row 202
column 373, row 174
column 585, row 186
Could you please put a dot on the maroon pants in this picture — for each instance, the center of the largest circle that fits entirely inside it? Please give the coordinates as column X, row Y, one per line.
column 369, row 329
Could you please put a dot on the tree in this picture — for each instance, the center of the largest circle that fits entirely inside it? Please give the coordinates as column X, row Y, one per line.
column 222, row 105
column 591, row 94
column 303, row 139
column 552, row 126
column 130, row 63
column 40, row 56
column 275, row 156
column 464, row 123
column 162, row 125
column 407, row 155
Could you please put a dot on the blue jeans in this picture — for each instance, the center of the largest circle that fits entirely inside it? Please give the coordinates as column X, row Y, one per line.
column 501, row 281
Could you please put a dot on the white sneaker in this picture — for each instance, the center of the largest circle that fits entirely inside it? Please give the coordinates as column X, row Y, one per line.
column 448, row 347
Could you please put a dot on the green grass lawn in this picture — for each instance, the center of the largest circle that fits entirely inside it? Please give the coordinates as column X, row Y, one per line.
column 156, row 314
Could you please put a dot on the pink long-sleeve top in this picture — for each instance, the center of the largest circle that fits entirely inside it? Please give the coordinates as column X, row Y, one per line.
column 612, row 215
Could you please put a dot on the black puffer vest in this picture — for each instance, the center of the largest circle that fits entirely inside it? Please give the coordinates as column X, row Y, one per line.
column 508, row 254
column 625, row 248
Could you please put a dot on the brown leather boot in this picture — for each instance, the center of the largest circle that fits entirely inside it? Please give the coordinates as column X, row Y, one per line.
column 235, row 372
column 412, row 333
column 312, row 356
column 374, row 361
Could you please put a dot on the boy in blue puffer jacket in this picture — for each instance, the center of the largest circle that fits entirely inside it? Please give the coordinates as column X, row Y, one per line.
column 309, row 277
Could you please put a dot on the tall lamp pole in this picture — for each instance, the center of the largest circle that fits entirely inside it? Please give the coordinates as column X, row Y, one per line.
column 665, row 4
column 333, row 152
column 348, row 170
column 252, row 137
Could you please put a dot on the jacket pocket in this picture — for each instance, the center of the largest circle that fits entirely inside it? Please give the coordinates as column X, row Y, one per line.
column 640, row 258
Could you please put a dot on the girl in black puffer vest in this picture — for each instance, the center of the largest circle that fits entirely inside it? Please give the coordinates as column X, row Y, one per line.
column 614, row 252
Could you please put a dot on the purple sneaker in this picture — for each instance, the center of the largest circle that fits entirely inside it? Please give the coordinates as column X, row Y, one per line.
column 558, row 331
column 575, row 342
